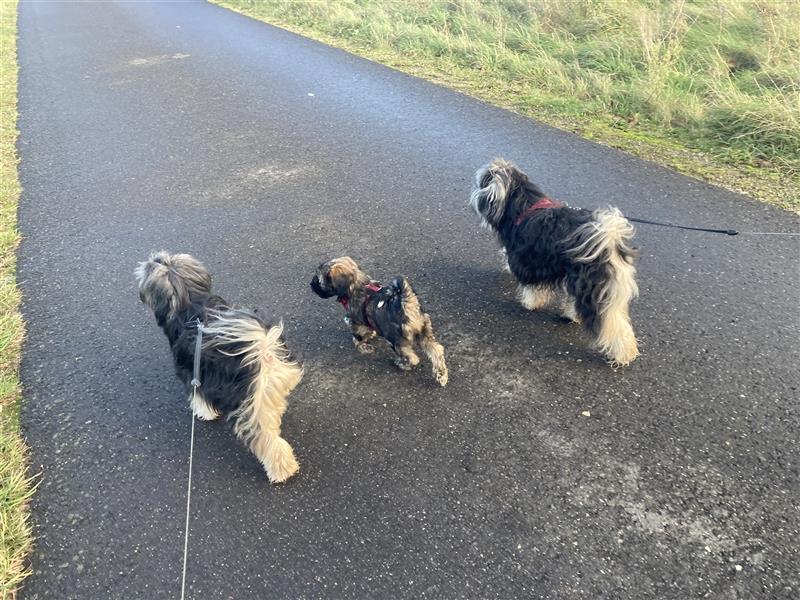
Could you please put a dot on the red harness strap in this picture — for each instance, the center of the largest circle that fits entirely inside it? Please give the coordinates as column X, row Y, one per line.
column 372, row 289
column 540, row 204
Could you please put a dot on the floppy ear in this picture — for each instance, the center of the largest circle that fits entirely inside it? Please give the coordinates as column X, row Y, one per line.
column 342, row 274
column 494, row 184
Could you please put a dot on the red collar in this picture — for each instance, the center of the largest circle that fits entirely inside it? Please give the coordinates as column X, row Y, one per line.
column 540, row 204
column 372, row 289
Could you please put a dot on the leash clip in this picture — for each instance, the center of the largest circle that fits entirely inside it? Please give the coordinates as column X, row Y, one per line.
column 198, row 346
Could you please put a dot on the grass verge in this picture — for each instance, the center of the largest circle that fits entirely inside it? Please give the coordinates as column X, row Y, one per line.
column 710, row 88
column 15, row 486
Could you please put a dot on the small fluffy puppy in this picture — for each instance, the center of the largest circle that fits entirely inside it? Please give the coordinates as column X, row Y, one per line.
column 392, row 312
column 583, row 255
column 245, row 370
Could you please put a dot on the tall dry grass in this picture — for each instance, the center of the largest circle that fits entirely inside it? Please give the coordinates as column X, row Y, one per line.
column 721, row 77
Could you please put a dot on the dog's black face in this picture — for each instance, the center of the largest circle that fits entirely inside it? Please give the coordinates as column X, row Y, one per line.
column 322, row 285
column 335, row 278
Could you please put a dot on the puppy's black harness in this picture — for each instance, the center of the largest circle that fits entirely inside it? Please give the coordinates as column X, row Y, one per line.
column 372, row 289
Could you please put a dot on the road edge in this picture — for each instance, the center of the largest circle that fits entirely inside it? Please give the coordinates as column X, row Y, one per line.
column 16, row 486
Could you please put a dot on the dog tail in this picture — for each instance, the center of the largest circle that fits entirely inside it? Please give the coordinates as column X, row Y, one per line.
column 420, row 324
column 273, row 376
column 606, row 239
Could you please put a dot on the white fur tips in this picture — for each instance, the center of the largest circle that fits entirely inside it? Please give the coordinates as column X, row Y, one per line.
column 258, row 419
column 606, row 239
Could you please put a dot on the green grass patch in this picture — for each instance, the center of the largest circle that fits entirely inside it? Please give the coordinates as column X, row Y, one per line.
column 708, row 87
column 15, row 486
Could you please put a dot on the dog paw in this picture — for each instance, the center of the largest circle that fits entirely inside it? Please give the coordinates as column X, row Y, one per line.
column 569, row 314
column 403, row 364
column 281, row 463
column 534, row 297
column 442, row 377
column 210, row 416
column 202, row 409
column 363, row 347
column 623, row 357
column 570, row 318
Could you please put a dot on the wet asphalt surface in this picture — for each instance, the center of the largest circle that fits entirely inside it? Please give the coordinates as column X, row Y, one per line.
column 191, row 128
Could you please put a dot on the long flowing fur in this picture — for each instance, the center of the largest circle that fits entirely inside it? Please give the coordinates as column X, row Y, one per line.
column 554, row 249
column 245, row 370
column 606, row 239
column 258, row 419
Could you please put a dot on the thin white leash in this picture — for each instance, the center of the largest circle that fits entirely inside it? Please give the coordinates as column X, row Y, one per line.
column 195, row 384
column 188, row 504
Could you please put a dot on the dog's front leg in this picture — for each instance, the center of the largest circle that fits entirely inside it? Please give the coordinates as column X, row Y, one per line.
column 534, row 297
column 361, row 336
column 201, row 407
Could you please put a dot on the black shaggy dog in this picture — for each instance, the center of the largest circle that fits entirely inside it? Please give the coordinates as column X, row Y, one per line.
column 392, row 311
column 245, row 370
column 552, row 248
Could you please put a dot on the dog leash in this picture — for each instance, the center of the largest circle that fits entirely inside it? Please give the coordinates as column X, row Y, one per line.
column 548, row 203
column 725, row 231
column 195, row 383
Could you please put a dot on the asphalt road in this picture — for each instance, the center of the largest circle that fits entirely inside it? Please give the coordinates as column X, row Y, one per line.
column 191, row 128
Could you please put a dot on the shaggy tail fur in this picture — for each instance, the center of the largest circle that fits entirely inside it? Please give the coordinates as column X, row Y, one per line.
column 606, row 239
column 258, row 419
column 420, row 322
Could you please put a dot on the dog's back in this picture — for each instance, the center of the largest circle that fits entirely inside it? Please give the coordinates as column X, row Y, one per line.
column 410, row 323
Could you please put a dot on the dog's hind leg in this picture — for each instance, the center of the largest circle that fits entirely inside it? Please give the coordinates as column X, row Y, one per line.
column 201, row 407
column 273, row 376
column 615, row 337
column 504, row 258
column 607, row 282
column 406, row 357
column 568, row 309
column 534, row 297
column 434, row 350
column 603, row 309
column 275, row 454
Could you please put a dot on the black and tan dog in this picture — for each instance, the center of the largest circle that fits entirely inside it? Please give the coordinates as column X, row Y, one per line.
column 245, row 371
column 392, row 311
column 551, row 248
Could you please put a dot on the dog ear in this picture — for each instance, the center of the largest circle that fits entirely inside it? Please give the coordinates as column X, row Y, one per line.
column 503, row 178
column 343, row 273
column 494, row 185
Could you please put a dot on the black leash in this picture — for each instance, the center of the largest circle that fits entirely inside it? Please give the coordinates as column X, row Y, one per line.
column 725, row 231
